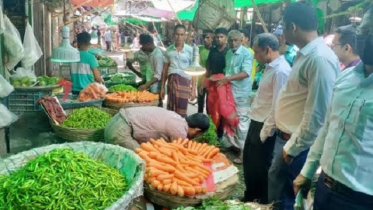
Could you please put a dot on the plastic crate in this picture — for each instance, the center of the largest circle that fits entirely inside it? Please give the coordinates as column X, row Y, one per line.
column 24, row 101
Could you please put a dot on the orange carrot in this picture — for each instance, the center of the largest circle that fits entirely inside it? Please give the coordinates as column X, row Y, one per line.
column 173, row 188
column 182, row 183
column 161, row 167
column 155, row 183
column 179, row 141
column 138, row 150
column 198, row 146
column 206, row 150
column 167, row 181
column 160, row 187
column 212, row 153
column 156, row 173
column 189, row 144
column 202, row 148
column 180, row 191
column 198, row 189
column 190, row 191
column 184, row 142
column 175, row 157
column 153, row 154
column 164, row 159
column 182, row 177
column 180, row 168
column 147, row 147
column 194, row 144
column 166, row 187
column 163, row 176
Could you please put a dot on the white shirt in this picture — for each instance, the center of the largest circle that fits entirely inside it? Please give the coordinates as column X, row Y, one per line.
column 179, row 61
column 344, row 147
column 304, row 99
column 274, row 77
column 107, row 36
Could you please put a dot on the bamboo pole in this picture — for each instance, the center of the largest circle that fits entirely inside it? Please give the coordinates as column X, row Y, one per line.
column 155, row 28
column 169, row 3
column 256, row 9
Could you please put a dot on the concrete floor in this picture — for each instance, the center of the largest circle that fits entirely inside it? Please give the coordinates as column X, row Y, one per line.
column 33, row 130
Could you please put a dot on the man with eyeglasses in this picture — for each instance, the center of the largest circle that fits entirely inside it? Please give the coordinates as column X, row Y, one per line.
column 344, row 46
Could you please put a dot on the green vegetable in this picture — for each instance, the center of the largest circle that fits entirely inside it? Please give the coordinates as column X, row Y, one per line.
column 122, row 87
column 21, row 81
column 106, row 61
column 62, row 179
column 209, row 136
column 48, row 81
column 123, row 78
column 87, row 118
column 216, row 204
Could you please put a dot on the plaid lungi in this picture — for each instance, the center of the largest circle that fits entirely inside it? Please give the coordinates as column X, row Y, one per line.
column 178, row 91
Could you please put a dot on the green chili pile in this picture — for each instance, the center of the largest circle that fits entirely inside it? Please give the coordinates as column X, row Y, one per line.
column 122, row 87
column 62, row 179
column 209, row 136
column 87, row 118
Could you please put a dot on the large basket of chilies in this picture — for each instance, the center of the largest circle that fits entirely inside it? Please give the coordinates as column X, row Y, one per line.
column 81, row 175
column 84, row 124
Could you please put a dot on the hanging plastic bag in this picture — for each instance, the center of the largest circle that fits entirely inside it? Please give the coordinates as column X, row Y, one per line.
column 13, row 44
column 6, row 117
column 23, row 78
column 31, row 48
column 2, row 24
column 5, row 87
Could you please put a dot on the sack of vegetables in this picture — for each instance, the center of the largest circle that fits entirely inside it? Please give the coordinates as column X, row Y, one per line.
column 84, row 124
column 83, row 175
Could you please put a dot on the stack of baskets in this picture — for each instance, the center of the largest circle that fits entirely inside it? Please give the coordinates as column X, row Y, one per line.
column 73, row 134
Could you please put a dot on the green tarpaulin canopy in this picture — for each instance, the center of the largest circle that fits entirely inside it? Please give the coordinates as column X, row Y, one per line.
column 188, row 14
column 133, row 21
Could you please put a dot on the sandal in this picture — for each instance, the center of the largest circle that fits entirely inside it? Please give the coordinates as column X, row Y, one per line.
column 237, row 161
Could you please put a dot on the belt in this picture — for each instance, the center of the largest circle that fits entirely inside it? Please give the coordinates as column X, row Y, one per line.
column 283, row 135
column 343, row 189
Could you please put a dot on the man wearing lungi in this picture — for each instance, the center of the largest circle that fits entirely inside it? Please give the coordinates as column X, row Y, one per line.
column 239, row 62
column 180, row 86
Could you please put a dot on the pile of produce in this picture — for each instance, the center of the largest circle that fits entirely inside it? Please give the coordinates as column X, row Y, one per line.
column 47, row 81
column 93, row 91
column 124, row 78
column 209, row 136
column 217, row 204
column 87, row 118
column 105, row 62
column 122, row 87
column 62, row 179
column 22, row 81
column 177, row 168
column 53, row 108
column 135, row 97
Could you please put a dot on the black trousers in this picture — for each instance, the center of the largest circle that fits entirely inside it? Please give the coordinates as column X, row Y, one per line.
column 257, row 157
column 201, row 98
column 108, row 46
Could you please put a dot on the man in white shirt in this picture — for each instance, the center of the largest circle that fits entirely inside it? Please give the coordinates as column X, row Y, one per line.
column 108, row 40
column 257, row 151
column 302, row 102
column 180, row 86
column 344, row 148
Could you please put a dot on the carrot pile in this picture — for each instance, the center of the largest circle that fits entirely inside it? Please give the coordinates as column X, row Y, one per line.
column 136, row 97
column 93, row 91
column 177, row 167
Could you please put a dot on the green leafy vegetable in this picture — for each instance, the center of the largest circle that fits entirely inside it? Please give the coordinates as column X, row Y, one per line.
column 48, row 81
column 106, row 62
column 87, row 118
column 209, row 136
column 122, row 87
column 22, row 81
column 216, row 204
column 62, row 179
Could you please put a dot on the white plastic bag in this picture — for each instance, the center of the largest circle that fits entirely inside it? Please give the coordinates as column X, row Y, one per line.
column 23, row 77
column 5, row 87
column 31, row 48
column 13, row 44
column 2, row 24
column 6, row 117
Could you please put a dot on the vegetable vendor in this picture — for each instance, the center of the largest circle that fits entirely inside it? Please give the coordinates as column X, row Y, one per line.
column 150, row 59
column 133, row 126
column 84, row 72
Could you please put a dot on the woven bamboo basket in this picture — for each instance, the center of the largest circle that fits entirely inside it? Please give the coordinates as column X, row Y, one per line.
column 224, row 190
column 76, row 135
column 129, row 105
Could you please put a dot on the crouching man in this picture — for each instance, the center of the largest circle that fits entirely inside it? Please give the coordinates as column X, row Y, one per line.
column 133, row 126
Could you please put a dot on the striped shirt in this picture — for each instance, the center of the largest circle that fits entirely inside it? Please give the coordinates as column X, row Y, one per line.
column 81, row 73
